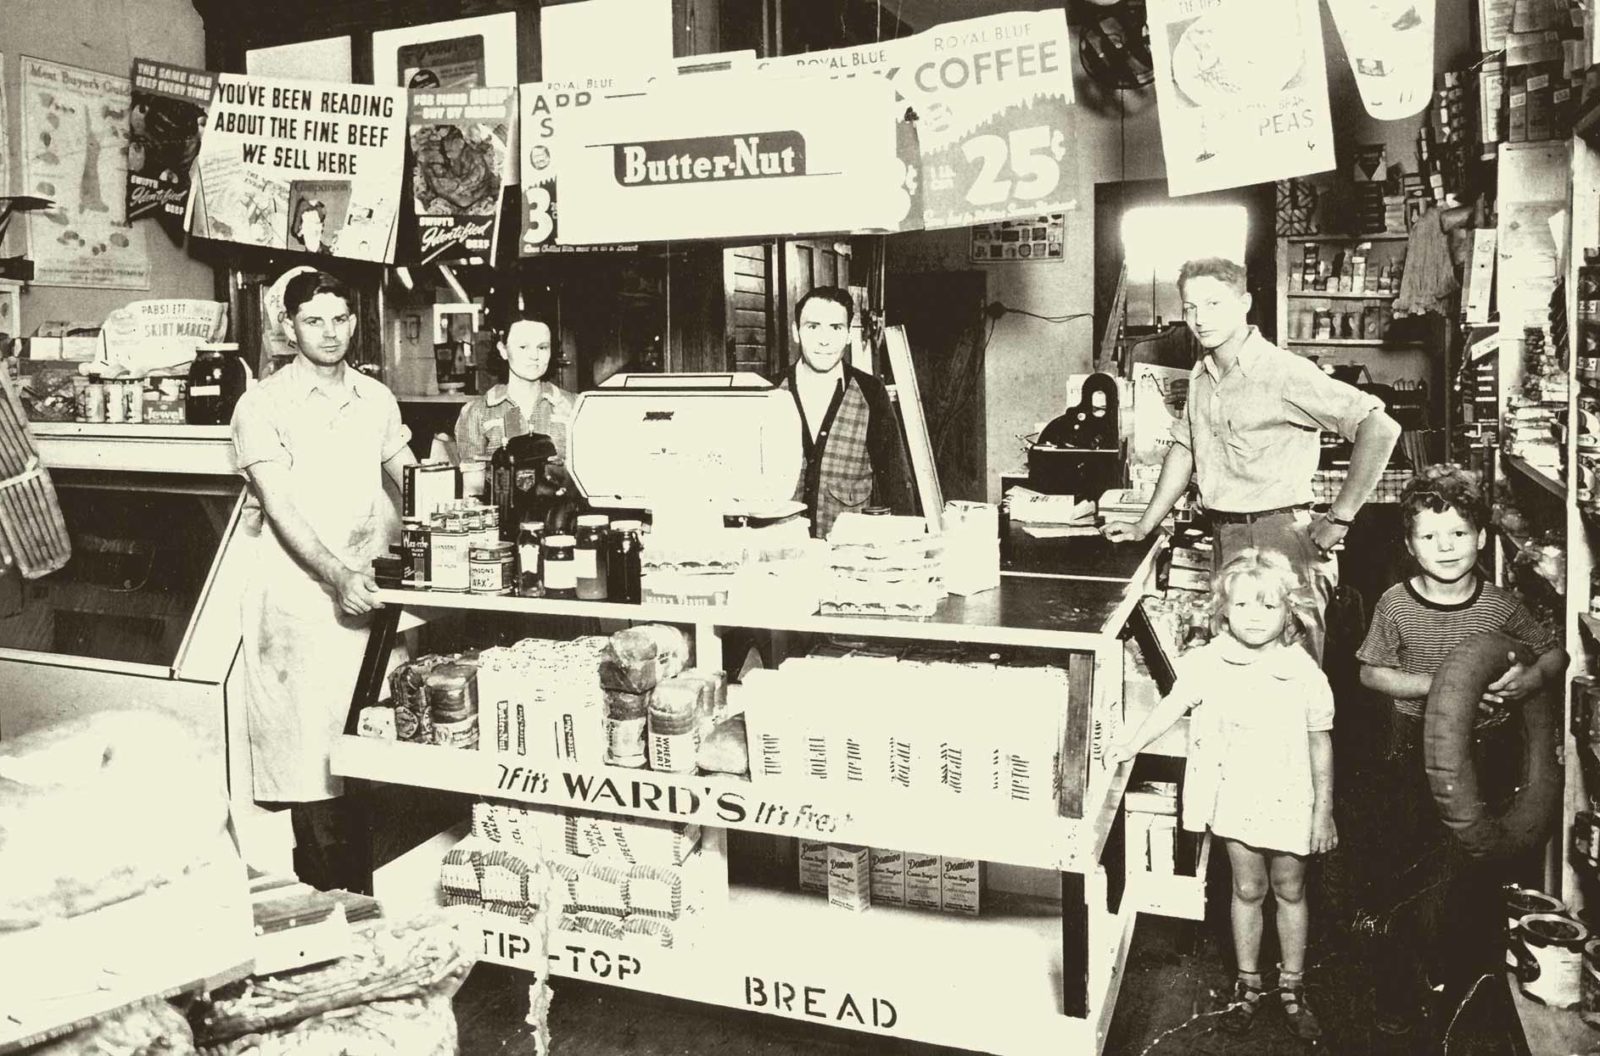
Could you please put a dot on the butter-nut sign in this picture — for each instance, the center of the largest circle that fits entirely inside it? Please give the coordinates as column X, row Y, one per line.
column 729, row 156
column 708, row 158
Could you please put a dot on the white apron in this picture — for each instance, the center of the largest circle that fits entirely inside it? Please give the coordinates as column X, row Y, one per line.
column 301, row 652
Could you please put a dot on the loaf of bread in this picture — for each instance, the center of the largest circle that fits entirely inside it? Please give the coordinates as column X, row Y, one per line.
column 100, row 809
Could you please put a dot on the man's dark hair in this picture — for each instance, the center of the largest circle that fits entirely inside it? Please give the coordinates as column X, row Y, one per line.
column 834, row 294
column 308, row 284
column 1440, row 488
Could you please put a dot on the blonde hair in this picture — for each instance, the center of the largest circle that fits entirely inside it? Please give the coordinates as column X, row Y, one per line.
column 1274, row 577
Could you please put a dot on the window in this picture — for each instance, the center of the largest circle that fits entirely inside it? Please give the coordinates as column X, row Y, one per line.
column 1156, row 240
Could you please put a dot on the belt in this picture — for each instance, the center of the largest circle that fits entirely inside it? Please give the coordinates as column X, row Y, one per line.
column 1224, row 517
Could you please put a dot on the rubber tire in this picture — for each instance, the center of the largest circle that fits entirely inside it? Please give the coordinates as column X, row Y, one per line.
column 1447, row 753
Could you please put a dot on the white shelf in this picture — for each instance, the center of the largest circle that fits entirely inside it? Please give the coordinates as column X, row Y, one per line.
column 1029, row 836
column 1351, row 342
column 990, row 983
column 1329, row 295
column 443, row 397
column 981, row 618
column 1382, row 236
column 199, row 449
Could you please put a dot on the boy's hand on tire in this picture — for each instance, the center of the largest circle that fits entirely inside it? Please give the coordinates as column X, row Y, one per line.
column 1518, row 681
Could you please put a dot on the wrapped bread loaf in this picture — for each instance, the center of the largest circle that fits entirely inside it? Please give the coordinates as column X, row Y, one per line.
column 726, row 749
column 101, row 809
column 637, row 658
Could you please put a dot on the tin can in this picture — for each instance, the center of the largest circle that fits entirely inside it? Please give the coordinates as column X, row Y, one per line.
column 116, row 401
column 416, row 538
column 450, row 566
column 493, row 568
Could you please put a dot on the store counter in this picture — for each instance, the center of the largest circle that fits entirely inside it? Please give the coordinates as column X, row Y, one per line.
column 146, row 614
column 1052, row 961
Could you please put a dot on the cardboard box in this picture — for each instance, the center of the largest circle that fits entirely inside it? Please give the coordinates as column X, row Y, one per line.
column 813, row 866
column 1517, row 126
column 960, row 885
column 849, row 878
column 924, row 881
column 888, row 877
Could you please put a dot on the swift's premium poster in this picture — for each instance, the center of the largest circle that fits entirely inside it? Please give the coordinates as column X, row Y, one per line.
column 167, row 120
column 461, row 142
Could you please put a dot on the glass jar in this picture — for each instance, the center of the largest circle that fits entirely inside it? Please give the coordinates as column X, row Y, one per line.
column 493, row 568
column 623, row 570
column 591, row 557
column 529, row 536
column 558, row 566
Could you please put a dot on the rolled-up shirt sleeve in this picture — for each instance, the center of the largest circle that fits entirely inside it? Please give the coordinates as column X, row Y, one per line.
column 256, row 438
column 396, row 434
column 1180, row 426
column 1315, row 400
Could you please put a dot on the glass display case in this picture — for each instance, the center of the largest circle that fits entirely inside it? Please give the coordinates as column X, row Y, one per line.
column 145, row 547
column 146, row 614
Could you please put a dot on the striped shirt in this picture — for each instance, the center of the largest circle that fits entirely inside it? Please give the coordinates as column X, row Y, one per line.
column 1414, row 635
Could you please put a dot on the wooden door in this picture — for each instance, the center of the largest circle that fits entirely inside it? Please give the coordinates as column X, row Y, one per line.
column 748, row 289
column 943, row 316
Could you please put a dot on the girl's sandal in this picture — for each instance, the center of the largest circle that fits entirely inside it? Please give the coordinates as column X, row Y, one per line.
column 1240, row 1015
column 1297, row 1017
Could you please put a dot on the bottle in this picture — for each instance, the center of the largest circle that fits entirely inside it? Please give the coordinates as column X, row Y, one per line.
column 557, row 566
column 529, row 581
column 624, row 575
column 590, row 556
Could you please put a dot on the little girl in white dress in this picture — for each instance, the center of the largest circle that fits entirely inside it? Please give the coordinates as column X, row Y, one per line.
column 1260, row 769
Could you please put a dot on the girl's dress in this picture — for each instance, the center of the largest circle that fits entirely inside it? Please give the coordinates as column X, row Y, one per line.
column 1249, row 769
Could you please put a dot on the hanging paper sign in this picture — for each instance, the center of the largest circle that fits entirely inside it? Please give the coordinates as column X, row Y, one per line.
column 990, row 98
column 303, row 166
column 460, row 141
column 543, row 105
column 74, row 131
column 1390, row 45
column 1234, row 111
column 165, row 125
column 730, row 156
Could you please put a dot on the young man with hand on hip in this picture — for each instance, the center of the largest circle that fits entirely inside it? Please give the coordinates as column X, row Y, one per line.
column 1250, row 437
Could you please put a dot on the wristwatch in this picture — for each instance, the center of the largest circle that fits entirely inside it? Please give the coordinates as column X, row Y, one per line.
column 1336, row 519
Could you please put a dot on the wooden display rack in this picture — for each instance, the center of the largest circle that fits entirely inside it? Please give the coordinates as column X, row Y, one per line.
column 1050, row 968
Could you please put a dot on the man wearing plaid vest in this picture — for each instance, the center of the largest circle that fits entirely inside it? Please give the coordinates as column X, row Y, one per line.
column 854, row 455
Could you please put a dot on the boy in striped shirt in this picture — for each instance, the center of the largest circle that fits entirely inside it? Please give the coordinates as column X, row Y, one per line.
column 1439, row 908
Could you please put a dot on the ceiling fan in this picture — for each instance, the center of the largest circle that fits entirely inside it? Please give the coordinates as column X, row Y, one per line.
column 1114, row 43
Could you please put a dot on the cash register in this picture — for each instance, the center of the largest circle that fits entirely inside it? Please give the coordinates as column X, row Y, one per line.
column 727, row 444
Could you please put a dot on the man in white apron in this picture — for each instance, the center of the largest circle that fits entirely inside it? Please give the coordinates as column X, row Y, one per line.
column 314, row 439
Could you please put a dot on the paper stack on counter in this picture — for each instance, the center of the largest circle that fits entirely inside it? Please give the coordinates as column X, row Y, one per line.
column 883, row 566
column 1050, row 516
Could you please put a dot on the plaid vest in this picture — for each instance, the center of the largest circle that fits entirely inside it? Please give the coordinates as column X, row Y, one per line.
column 844, row 480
